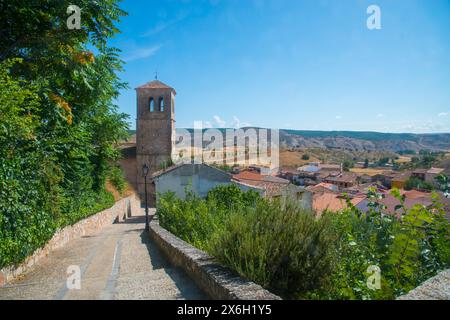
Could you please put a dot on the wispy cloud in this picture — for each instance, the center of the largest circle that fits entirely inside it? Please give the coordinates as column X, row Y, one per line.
column 237, row 123
column 219, row 122
column 338, row 117
column 380, row 115
column 163, row 25
column 141, row 53
column 443, row 114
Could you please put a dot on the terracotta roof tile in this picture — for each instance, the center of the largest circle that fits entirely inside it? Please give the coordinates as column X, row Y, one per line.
column 155, row 84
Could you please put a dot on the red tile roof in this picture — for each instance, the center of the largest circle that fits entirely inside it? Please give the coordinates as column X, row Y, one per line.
column 155, row 84
column 272, row 185
column 333, row 201
column 248, row 175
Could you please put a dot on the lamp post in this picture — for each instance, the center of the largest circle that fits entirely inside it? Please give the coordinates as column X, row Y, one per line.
column 145, row 173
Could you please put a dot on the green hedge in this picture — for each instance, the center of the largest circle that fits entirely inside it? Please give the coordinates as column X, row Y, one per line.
column 58, row 122
column 295, row 254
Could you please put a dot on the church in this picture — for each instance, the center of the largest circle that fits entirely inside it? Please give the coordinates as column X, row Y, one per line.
column 155, row 125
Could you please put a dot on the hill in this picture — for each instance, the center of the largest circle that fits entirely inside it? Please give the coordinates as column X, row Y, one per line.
column 364, row 141
column 361, row 140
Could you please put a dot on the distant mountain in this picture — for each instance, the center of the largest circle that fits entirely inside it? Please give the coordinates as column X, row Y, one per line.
column 364, row 141
column 361, row 140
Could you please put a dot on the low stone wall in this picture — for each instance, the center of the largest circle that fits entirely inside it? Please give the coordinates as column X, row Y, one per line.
column 118, row 212
column 436, row 288
column 214, row 279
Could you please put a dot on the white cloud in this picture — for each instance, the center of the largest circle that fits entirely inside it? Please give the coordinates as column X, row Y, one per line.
column 219, row 122
column 141, row 53
column 443, row 114
column 207, row 124
column 380, row 115
column 237, row 123
column 338, row 117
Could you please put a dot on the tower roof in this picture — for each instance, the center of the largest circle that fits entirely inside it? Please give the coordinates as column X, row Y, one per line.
column 156, row 84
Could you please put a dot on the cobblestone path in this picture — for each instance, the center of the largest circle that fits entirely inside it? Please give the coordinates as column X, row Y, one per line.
column 119, row 262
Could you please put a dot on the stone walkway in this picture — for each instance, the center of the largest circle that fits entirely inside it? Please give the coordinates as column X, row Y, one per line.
column 119, row 262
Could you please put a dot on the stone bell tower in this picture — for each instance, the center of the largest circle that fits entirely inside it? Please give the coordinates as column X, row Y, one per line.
column 155, row 133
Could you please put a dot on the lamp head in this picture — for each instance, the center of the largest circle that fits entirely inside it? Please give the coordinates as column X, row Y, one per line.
column 145, row 170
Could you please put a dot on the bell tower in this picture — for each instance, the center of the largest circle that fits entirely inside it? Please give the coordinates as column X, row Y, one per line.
column 155, row 127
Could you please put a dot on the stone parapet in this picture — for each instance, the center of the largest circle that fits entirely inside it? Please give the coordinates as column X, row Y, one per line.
column 214, row 279
column 118, row 212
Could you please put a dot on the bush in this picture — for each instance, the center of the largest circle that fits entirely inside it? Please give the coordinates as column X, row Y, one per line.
column 281, row 247
column 297, row 255
column 408, row 250
column 117, row 179
column 416, row 183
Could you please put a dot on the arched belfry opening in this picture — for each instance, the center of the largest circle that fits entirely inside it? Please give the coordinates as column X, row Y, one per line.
column 151, row 104
column 155, row 127
column 161, row 104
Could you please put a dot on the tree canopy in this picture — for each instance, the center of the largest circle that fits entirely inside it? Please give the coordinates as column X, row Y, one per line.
column 59, row 126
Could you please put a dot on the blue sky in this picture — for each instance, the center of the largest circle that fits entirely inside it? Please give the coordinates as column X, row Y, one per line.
column 300, row 64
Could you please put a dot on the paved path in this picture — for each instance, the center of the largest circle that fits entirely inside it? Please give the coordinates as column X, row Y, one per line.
column 119, row 262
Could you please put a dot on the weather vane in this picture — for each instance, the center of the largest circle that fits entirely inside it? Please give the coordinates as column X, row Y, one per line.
column 156, row 75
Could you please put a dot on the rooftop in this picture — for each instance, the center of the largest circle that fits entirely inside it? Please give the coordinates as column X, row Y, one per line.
column 156, row 84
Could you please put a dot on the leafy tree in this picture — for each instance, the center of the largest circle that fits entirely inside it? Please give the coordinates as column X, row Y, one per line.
column 383, row 161
column 59, row 125
column 416, row 183
column 366, row 163
column 442, row 180
column 347, row 165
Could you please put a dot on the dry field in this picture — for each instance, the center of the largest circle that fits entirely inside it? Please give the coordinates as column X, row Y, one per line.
column 403, row 159
column 293, row 159
column 369, row 171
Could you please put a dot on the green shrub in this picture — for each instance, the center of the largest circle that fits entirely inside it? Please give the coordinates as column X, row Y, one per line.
column 408, row 250
column 417, row 183
column 281, row 247
column 117, row 179
column 297, row 255
column 230, row 196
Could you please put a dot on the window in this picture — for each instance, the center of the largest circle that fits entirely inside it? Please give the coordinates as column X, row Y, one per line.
column 161, row 104
column 151, row 105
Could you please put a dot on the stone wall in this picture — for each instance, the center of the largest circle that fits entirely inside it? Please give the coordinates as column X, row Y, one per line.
column 119, row 212
column 214, row 279
column 436, row 288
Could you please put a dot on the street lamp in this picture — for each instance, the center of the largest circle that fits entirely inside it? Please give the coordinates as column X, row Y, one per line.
column 145, row 173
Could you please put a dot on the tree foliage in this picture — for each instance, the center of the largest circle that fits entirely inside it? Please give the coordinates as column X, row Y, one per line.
column 58, row 122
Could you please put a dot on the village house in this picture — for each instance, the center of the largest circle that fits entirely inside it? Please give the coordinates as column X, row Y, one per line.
column 323, row 187
column 274, row 187
column 311, row 174
column 327, row 200
column 343, row 179
column 399, row 180
column 385, row 178
column 196, row 178
column 428, row 175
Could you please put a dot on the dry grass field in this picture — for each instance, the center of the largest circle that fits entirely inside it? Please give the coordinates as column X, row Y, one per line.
column 293, row 159
column 369, row 171
column 403, row 159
